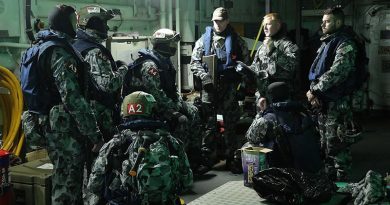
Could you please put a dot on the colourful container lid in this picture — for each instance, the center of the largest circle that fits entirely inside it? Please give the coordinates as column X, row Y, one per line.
column 4, row 158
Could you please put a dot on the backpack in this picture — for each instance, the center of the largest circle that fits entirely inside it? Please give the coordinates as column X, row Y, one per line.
column 361, row 75
column 163, row 173
column 36, row 81
column 296, row 139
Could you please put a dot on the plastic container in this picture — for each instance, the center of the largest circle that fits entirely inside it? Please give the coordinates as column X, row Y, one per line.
column 5, row 186
column 253, row 161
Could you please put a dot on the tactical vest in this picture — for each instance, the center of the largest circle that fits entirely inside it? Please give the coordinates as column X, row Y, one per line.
column 166, row 71
column 225, row 54
column 37, row 81
column 325, row 58
column 83, row 44
column 324, row 61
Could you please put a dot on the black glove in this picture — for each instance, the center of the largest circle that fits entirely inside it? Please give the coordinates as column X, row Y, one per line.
column 180, row 118
column 176, row 120
column 240, row 67
column 243, row 69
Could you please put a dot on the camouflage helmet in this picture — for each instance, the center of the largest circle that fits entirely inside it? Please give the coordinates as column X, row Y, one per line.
column 165, row 41
column 138, row 103
column 87, row 12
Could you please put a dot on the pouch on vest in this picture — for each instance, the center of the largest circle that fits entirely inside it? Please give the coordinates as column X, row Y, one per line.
column 33, row 130
column 159, row 177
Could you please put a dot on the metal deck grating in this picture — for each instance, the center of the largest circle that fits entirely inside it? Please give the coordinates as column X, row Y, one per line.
column 235, row 193
column 230, row 193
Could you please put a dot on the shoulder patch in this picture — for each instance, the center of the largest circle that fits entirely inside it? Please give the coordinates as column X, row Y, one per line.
column 71, row 66
column 346, row 48
column 102, row 56
column 153, row 71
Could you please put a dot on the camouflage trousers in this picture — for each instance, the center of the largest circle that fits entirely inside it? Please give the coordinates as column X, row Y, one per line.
column 334, row 140
column 68, row 157
column 104, row 118
column 227, row 106
column 190, row 133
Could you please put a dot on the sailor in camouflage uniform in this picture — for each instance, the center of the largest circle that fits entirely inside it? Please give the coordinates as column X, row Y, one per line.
column 106, row 75
column 276, row 59
column 154, row 73
column 163, row 171
column 67, row 122
column 229, row 47
column 334, row 63
column 285, row 126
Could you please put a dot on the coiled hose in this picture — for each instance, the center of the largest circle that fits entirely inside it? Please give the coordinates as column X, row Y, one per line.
column 11, row 106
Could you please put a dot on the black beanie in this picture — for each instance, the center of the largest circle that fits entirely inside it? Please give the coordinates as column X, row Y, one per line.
column 278, row 91
column 59, row 19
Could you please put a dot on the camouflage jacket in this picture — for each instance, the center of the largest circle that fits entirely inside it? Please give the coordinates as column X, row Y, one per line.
column 257, row 131
column 276, row 62
column 217, row 42
column 75, row 109
column 108, row 79
column 150, row 82
column 341, row 67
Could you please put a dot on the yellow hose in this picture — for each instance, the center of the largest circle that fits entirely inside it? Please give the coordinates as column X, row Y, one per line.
column 257, row 38
column 11, row 108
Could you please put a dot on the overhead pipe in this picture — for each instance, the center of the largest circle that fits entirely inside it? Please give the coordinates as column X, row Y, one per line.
column 177, row 12
column 170, row 14
column 163, row 14
column 268, row 7
column 298, row 23
column 15, row 45
column 134, row 8
column 22, row 38
column 29, row 32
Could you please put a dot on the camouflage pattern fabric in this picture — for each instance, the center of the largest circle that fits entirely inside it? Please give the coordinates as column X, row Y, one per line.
column 67, row 129
column 150, row 82
column 33, row 126
column 217, row 42
column 278, row 60
column 258, row 130
column 334, row 141
column 343, row 65
column 226, row 93
column 336, row 115
column 369, row 190
column 163, row 173
column 103, row 165
column 106, row 78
